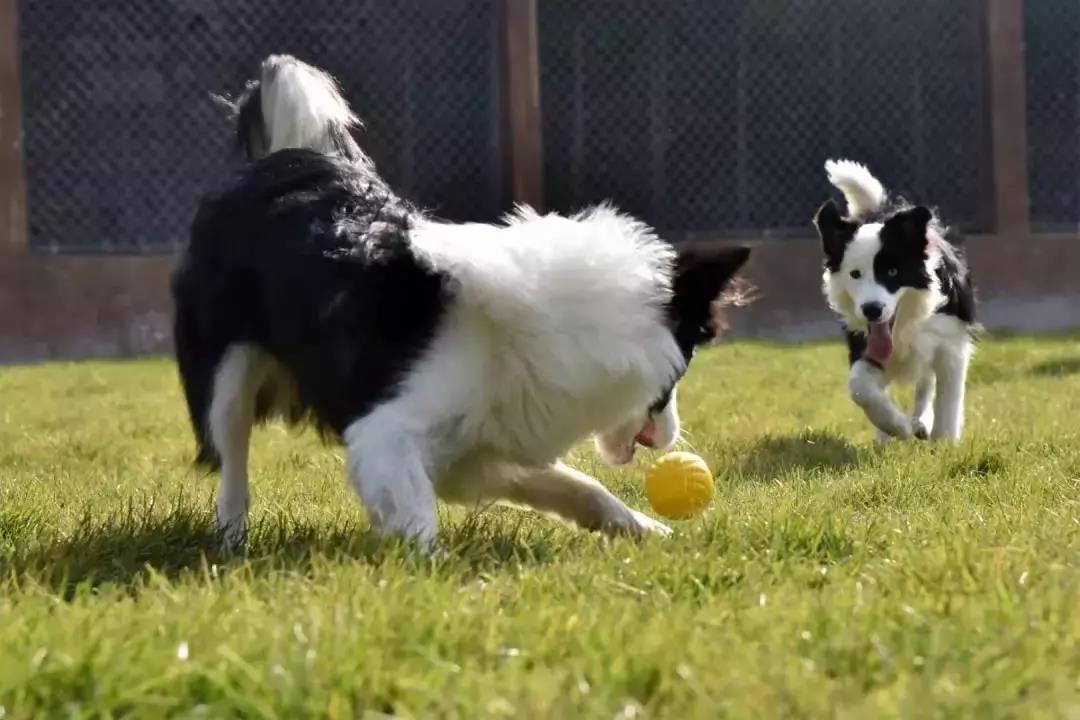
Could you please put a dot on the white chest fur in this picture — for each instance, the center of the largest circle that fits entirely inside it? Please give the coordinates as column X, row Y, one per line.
column 916, row 346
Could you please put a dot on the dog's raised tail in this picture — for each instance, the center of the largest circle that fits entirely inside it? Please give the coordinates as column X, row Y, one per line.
column 863, row 192
column 294, row 105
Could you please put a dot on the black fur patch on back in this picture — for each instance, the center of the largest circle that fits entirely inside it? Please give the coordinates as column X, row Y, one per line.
column 954, row 278
column 308, row 258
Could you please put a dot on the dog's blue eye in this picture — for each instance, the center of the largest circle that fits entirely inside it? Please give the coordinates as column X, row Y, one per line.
column 892, row 272
column 856, row 274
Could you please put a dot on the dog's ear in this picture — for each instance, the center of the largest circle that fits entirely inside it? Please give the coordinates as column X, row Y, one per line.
column 701, row 276
column 702, row 273
column 908, row 227
column 835, row 232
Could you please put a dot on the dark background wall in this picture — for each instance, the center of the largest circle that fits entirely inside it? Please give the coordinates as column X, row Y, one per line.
column 718, row 115
column 122, row 135
column 709, row 119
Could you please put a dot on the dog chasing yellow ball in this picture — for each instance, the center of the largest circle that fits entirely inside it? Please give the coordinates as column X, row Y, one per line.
column 679, row 485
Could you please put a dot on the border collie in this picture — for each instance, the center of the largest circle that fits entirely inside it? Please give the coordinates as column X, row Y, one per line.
column 453, row 361
column 903, row 290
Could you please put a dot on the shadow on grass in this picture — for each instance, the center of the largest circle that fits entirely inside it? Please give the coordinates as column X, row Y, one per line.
column 1056, row 368
column 808, row 451
column 979, row 465
column 129, row 548
column 989, row 374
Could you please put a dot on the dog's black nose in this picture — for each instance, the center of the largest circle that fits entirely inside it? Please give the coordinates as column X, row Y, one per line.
column 872, row 311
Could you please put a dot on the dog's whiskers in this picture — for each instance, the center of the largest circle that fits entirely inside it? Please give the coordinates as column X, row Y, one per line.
column 684, row 442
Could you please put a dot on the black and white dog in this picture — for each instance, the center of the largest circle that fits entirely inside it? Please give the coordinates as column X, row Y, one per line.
column 453, row 361
column 903, row 290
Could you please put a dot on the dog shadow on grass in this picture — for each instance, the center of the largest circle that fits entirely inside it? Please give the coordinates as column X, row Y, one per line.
column 1061, row 367
column 139, row 546
column 772, row 456
column 1056, row 368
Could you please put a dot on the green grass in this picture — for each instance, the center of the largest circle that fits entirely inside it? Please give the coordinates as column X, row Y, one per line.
column 830, row 578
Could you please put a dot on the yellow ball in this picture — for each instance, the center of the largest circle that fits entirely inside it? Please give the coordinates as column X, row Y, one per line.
column 679, row 485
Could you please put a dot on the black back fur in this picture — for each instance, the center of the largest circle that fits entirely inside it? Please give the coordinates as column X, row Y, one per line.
column 307, row 258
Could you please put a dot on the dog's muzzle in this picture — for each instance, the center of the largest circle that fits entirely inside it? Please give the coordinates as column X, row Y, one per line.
column 647, row 435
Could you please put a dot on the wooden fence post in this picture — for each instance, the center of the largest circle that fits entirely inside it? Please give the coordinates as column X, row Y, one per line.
column 1007, row 93
column 521, row 76
column 13, row 234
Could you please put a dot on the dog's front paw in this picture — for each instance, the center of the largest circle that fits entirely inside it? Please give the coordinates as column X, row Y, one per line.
column 232, row 536
column 636, row 524
column 898, row 427
column 651, row 526
column 919, row 429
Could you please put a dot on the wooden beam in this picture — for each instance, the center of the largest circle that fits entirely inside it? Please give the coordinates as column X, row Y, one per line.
column 13, row 235
column 1007, row 106
column 524, row 135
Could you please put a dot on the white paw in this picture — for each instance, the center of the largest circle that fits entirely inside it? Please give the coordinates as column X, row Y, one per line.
column 919, row 429
column 945, row 436
column 634, row 523
column 420, row 533
column 233, row 533
column 894, row 427
column 651, row 526
column 432, row 549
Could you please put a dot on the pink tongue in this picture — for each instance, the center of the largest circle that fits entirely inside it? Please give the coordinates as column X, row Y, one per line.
column 879, row 348
column 647, row 436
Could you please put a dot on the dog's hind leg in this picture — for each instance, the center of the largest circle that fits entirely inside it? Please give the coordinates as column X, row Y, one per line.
column 232, row 414
column 951, row 366
column 922, row 417
column 388, row 466
column 867, row 387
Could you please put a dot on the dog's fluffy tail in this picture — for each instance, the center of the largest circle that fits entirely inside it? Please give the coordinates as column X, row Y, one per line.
column 294, row 105
column 863, row 192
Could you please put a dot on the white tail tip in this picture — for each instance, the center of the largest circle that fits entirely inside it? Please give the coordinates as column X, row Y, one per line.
column 863, row 192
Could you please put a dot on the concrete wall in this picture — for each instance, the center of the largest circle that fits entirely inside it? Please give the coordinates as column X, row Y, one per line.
column 1031, row 285
column 63, row 307
column 76, row 307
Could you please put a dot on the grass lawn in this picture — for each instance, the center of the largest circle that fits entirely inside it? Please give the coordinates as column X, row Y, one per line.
column 830, row 578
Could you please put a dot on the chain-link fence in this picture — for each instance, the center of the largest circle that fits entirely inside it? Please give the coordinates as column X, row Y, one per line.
column 717, row 116
column 121, row 136
column 700, row 115
column 1052, row 38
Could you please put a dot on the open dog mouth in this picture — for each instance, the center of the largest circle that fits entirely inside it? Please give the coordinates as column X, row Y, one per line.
column 647, row 435
column 879, row 345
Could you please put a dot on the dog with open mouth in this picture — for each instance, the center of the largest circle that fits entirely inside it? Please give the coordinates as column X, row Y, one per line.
column 453, row 361
column 899, row 281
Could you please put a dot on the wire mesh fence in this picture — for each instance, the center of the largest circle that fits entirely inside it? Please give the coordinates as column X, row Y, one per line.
column 1052, row 38
column 121, row 136
column 702, row 116
column 717, row 116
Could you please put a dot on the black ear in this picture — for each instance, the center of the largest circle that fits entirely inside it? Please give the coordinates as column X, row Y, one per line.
column 703, row 272
column 835, row 232
column 909, row 226
column 701, row 275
